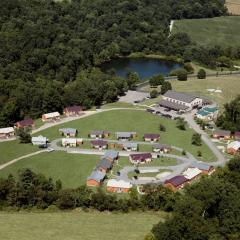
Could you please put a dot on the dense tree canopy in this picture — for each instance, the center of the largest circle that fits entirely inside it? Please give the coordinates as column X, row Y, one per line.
column 230, row 119
column 45, row 45
column 209, row 209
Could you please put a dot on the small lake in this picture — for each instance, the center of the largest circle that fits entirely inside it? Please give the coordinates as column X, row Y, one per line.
column 145, row 67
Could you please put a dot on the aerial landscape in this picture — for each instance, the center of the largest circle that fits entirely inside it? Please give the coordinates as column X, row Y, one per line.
column 120, row 119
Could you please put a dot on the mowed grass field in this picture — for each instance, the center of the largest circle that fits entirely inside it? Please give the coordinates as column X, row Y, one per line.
column 230, row 86
column 77, row 226
column 222, row 31
column 137, row 121
column 71, row 169
column 13, row 149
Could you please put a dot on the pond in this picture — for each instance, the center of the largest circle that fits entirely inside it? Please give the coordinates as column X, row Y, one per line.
column 145, row 67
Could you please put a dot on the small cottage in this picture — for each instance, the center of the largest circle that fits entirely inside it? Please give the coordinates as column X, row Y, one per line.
column 99, row 144
column 151, row 137
column 130, row 146
column 40, row 140
column 222, row 134
column 54, row 116
column 71, row 142
column 192, row 173
column 118, row 186
column 237, row 135
column 25, row 123
column 99, row 134
column 96, row 178
column 68, row 132
column 125, row 135
column 176, row 183
column 111, row 155
column 104, row 165
column 233, row 148
column 73, row 111
column 6, row 132
column 140, row 158
column 205, row 168
column 160, row 148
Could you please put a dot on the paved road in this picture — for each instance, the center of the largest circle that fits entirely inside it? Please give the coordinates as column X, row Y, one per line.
column 219, row 155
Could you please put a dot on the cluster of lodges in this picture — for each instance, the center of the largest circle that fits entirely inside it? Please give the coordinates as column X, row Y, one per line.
column 99, row 142
column 192, row 173
column 9, row 132
column 68, row 112
column 234, row 146
column 98, row 175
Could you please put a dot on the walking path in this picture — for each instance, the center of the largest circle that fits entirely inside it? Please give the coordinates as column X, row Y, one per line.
column 20, row 158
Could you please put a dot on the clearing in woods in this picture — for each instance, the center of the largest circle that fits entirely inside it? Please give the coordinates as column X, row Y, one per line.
column 222, row 31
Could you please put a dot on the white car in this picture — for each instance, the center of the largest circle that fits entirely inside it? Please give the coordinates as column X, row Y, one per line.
column 50, row 150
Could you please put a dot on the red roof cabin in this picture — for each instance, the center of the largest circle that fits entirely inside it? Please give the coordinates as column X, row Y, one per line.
column 140, row 158
column 99, row 144
column 73, row 111
column 237, row 135
column 25, row 123
column 176, row 183
column 151, row 137
column 222, row 134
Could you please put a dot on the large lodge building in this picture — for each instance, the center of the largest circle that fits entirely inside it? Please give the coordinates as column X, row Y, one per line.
column 180, row 101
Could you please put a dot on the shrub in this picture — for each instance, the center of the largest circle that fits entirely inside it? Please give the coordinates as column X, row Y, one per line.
column 182, row 75
column 201, row 74
column 154, row 93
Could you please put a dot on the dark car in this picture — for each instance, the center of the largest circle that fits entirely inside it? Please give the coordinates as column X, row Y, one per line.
column 43, row 146
column 167, row 116
column 150, row 110
column 167, row 110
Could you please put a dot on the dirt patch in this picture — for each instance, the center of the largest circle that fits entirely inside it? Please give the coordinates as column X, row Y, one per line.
column 233, row 6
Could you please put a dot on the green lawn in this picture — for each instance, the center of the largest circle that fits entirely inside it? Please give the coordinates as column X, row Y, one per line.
column 13, row 149
column 77, row 225
column 223, row 31
column 118, row 105
column 72, row 169
column 229, row 85
column 132, row 120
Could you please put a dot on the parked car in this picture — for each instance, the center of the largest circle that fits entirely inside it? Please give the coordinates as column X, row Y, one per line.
column 167, row 110
column 50, row 150
column 167, row 116
column 43, row 146
column 150, row 110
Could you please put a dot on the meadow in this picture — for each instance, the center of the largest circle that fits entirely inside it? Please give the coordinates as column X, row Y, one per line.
column 13, row 149
column 222, row 31
column 77, row 225
column 229, row 85
column 71, row 169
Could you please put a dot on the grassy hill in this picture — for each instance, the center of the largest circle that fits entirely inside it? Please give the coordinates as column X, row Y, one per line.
column 74, row 225
column 211, row 31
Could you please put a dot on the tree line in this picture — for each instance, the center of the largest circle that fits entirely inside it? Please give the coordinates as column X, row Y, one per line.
column 31, row 190
column 47, row 46
column 208, row 209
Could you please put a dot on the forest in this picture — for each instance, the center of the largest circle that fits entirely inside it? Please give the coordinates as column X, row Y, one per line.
column 45, row 46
